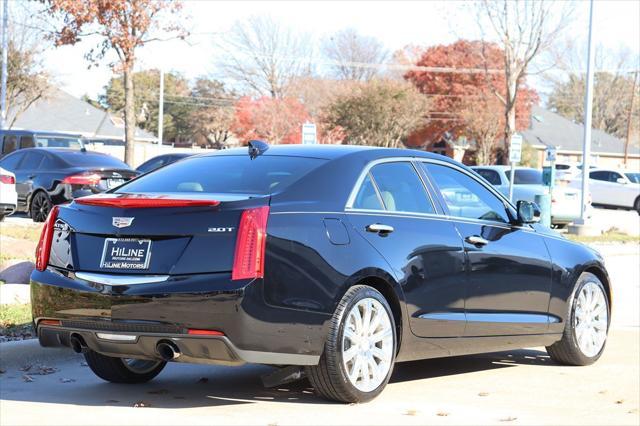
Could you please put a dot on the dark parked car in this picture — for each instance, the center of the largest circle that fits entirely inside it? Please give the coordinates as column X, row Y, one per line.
column 160, row 161
column 12, row 140
column 339, row 260
column 49, row 176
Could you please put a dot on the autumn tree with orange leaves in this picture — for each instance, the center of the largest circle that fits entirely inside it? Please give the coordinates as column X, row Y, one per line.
column 465, row 82
column 124, row 26
column 276, row 121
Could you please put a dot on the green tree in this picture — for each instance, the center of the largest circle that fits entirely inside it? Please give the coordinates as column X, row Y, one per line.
column 379, row 112
column 178, row 105
column 212, row 118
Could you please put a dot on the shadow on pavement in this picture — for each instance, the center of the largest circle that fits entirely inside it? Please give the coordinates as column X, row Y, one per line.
column 189, row 386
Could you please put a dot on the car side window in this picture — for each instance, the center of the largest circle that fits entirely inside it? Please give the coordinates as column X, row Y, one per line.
column 152, row 165
column 367, row 198
column 10, row 162
column 599, row 175
column 9, row 144
column 614, row 176
column 465, row 196
column 490, row 175
column 400, row 188
column 27, row 142
column 32, row 161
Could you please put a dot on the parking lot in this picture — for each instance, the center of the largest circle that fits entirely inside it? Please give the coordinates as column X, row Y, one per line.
column 54, row 386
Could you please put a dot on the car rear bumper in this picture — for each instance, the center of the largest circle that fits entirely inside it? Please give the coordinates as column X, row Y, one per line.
column 252, row 331
column 7, row 208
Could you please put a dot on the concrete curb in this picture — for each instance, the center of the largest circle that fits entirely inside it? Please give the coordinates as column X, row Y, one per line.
column 15, row 355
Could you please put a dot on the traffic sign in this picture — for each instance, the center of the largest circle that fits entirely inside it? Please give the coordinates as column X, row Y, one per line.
column 551, row 153
column 515, row 148
column 309, row 134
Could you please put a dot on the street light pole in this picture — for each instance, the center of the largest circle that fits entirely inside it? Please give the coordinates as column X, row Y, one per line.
column 161, row 111
column 5, row 48
column 588, row 107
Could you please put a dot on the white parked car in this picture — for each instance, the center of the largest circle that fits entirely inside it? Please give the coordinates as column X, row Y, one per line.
column 565, row 200
column 613, row 188
column 8, row 195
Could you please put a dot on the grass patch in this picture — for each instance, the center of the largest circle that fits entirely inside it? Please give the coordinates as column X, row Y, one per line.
column 5, row 257
column 607, row 237
column 15, row 322
column 30, row 233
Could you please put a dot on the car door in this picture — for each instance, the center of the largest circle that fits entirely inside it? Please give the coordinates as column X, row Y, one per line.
column 508, row 266
column 391, row 208
column 26, row 173
column 600, row 187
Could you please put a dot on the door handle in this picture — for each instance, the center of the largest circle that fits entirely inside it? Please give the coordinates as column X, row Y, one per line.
column 476, row 240
column 379, row 228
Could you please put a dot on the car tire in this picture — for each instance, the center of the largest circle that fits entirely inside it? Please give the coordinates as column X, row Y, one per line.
column 331, row 378
column 40, row 206
column 121, row 370
column 584, row 344
column 636, row 205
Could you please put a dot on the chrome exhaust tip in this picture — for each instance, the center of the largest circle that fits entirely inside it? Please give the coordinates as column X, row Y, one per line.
column 168, row 351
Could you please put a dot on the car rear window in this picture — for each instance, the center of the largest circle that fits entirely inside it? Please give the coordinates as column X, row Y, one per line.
column 89, row 159
column 526, row 177
column 225, row 174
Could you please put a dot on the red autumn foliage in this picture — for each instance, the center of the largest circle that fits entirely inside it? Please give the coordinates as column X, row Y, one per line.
column 452, row 92
column 276, row 121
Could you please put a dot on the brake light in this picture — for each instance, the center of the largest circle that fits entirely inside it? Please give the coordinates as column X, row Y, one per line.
column 43, row 250
column 143, row 201
column 9, row 180
column 83, row 179
column 55, row 323
column 250, row 244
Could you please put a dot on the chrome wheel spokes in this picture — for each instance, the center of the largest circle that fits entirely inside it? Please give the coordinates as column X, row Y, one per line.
column 591, row 319
column 367, row 344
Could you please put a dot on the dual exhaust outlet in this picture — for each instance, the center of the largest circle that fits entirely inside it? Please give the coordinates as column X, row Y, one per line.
column 167, row 350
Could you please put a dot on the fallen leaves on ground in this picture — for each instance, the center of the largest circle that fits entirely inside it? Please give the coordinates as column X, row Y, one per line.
column 483, row 394
column 508, row 419
column 410, row 413
column 63, row 380
column 27, row 378
column 442, row 414
column 141, row 404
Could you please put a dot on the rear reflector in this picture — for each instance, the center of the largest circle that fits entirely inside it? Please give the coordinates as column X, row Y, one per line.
column 9, row 180
column 43, row 250
column 250, row 244
column 83, row 179
column 143, row 201
column 197, row 332
column 50, row 322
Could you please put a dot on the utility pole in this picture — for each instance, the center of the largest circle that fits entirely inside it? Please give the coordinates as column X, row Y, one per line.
column 629, row 117
column 5, row 48
column 161, row 111
column 588, row 110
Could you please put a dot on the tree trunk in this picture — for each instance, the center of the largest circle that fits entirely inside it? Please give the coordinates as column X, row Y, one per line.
column 129, row 117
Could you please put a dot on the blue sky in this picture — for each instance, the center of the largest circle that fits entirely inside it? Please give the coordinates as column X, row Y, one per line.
column 395, row 23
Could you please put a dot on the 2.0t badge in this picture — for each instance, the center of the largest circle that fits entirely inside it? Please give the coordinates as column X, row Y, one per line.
column 122, row 222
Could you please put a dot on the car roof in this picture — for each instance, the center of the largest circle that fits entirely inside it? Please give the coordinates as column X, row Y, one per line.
column 330, row 152
column 39, row 133
column 58, row 151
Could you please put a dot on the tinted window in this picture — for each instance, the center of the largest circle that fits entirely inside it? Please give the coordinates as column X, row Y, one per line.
column 400, row 188
column 466, row 197
column 562, row 167
column 151, row 165
column 526, row 177
column 614, row 176
column 31, row 161
column 11, row 161
column 226, row 174
column 633, row 177
column 91, row 159
column 10, row 144
column 58, row 142
column 367, row 197
column 492, row 176
column 599, row 175
column 27, row 142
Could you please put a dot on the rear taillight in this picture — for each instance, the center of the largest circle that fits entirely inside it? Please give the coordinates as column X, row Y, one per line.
column 9, row 180
column 250, row 244
column 46, row 237
column 83, row 179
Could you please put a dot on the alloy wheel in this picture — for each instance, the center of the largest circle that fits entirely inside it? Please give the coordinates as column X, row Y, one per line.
column 40, row 207
column 367, row 345
column 591, row 319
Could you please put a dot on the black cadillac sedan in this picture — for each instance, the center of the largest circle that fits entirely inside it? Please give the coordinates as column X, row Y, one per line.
column 338, row 260
column 49, row 176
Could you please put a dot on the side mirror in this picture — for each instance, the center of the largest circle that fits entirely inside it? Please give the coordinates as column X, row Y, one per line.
column 621, row 180
column 528, row 212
